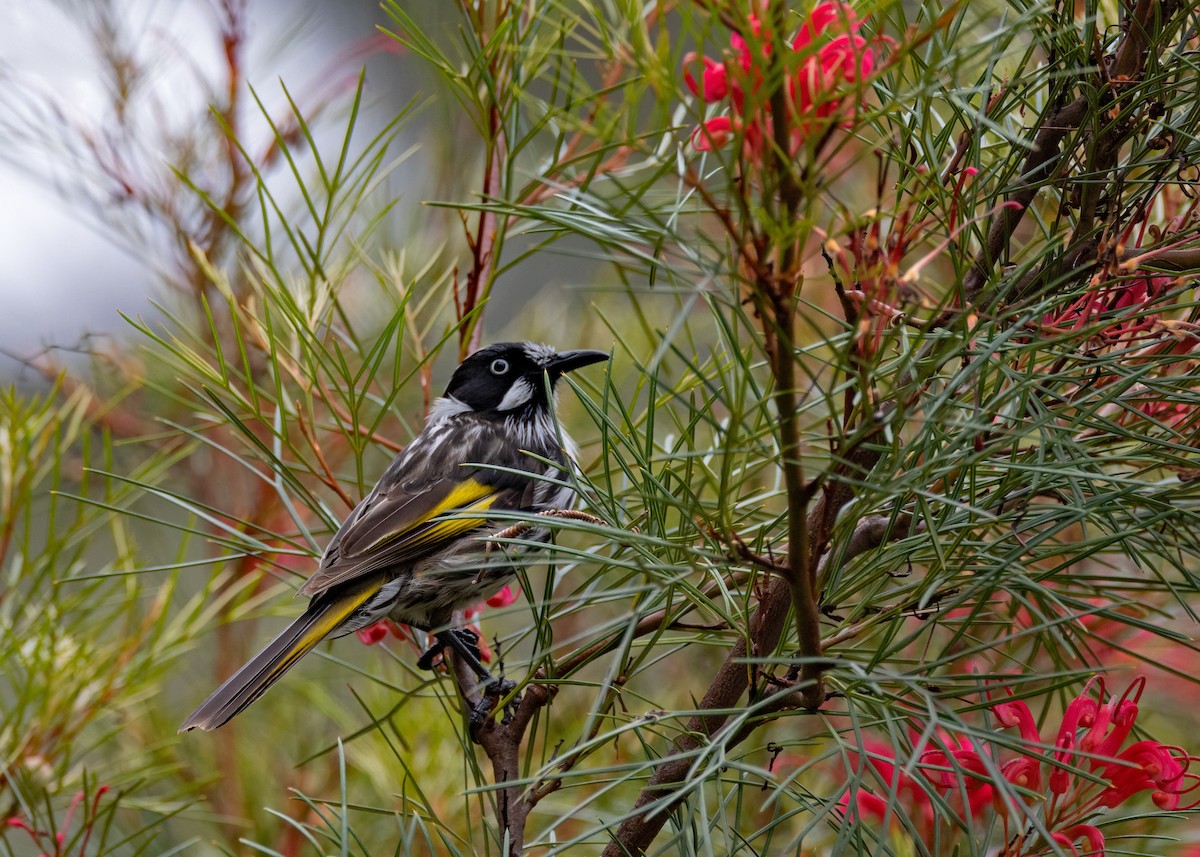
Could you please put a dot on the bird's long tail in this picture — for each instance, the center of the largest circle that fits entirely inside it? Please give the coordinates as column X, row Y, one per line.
column 324, row 614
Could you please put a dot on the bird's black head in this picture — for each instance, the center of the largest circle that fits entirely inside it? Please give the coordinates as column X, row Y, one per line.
column 507, row 377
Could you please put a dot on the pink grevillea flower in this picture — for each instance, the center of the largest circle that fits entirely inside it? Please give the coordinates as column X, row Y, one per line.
column 835, row 59
column 1146, row 766
column 1023, row 771
column 1014, row 712
column 713, row 134
column 861, row 805
column 827, row 60
column 1066, row 840
column 714, row 81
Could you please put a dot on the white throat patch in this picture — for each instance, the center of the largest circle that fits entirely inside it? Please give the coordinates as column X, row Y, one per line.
column 446, row 407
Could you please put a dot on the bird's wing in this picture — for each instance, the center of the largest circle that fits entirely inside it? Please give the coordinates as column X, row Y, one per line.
column 416, row 510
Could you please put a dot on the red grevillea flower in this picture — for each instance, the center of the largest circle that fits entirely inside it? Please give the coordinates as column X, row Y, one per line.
column 1126, row 299
column 1085, row 770
column 375, row 632
column 1014, row 712
column 1091, row 737
column 863, row 804
column 506, row 596
column 828, row 58
column 378, row 631
column 1145, row 766
column 960, row 770
column 914, row 799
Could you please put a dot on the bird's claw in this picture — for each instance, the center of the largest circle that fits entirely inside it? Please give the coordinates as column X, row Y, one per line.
column 493, row 691
column 466, row 636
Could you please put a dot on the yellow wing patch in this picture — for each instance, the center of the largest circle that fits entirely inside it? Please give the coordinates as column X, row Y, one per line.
column 462, row 522
column 334, row 615
column 463, row 494
column 468, row 496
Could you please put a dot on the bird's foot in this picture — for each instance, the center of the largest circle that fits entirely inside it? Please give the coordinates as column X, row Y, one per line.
column 463, row 640
column 465, row 643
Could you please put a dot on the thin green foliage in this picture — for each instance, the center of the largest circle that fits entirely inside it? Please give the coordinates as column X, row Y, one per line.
column 988, row 451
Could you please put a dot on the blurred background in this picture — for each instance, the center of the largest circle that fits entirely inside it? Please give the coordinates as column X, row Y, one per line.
column 77, row 254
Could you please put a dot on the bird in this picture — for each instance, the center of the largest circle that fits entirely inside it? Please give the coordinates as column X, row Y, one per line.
column 417, row 548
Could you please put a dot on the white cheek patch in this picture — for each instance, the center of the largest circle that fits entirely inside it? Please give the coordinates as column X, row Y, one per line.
column 518, row 394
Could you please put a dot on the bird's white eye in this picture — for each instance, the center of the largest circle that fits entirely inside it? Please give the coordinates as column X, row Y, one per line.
column 499, row 367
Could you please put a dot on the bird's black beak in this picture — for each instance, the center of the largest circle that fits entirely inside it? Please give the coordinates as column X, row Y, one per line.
column 568, row 361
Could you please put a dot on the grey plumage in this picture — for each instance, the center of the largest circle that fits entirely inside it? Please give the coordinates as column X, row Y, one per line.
column 426, row 588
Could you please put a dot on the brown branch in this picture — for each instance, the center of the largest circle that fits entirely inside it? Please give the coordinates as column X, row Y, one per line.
column 779, row 328
column 741, row 551
column 733, row 679
column 501, row 741
column 1177, row 259
column 1038, row 166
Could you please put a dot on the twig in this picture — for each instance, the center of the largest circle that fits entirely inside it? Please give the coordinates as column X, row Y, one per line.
column 885, row 613
column 1044, row 154
column 521, row 527
column 741, row 551
column 648, row 624
column 329, row 479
